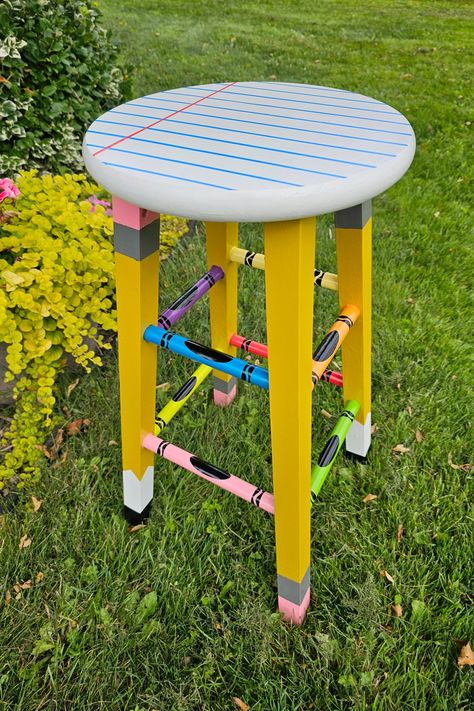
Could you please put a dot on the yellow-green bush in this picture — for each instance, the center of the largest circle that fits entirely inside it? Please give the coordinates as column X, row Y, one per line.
column 56, row 293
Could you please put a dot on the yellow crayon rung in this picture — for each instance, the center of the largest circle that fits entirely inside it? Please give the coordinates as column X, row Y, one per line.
column 326, row 280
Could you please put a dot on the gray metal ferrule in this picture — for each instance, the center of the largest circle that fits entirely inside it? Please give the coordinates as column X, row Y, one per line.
column 137, row 244
column 222, row 386
column 354, row 217
column 291, row 590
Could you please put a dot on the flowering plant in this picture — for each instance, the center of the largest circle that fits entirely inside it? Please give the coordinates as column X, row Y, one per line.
column 56, row 289
column 8, row 189
column 56, row 298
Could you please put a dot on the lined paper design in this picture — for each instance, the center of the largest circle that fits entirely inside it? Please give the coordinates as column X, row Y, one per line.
column 250, row 136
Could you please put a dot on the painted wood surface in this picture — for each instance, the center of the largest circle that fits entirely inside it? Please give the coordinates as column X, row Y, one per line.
column 253, row 151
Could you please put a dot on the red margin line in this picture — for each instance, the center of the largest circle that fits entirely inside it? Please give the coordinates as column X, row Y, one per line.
column 144, row 128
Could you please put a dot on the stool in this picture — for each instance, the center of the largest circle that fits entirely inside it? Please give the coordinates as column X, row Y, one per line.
column 270, row 152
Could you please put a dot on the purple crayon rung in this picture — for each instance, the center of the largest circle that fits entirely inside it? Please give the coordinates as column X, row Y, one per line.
column 253, row 494
column 184, row 302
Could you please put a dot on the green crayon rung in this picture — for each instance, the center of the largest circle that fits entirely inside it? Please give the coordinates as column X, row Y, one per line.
column 333, row 446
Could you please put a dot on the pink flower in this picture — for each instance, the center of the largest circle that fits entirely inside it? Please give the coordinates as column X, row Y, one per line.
column 94, row 200
column 8, row 189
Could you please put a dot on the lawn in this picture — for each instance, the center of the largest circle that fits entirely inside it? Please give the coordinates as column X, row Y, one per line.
column 180, row 615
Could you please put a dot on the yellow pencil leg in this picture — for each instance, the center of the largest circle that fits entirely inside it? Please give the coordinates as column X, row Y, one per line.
column 289, row 287
column 354, row 266
column 220, row 238
column 136, row 239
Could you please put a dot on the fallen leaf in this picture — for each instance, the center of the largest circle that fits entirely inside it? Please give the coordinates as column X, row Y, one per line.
column 466, row 656
column 18, row 596
column 326, row 414
column 419, row 436
column 43, row 449
column 25, row 542
column 16, row 588
column 218, row 626
column 62, row 460
column 8, row 597
column 39, row 577
column 75, row 427
column 411, row 300
column 36, row 503
column 71, row 387
column 400, row 532
column 112, row 442
column 464, row 467
column 139, row 526
column 386, row 574
column 163, row 386
column 57, row 442
column 399, row 386
column 26, row 585
column 374, row 428
column 369, row 497
column 240, row 704
column 400, row 449
column 397, row 610
column 410, row 410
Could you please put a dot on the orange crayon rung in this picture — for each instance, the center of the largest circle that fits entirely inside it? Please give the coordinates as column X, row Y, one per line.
column 333, row 339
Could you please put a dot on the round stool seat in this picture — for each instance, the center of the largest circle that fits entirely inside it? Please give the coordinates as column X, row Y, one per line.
column 249, row 151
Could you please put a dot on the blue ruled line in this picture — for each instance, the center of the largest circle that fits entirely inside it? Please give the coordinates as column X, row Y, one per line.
column 232, row 92
column 287, row 118
column 312, row 86
column 247, row 133
column 164, row 175
column 304, row 93
column 245, row 145
column 272, row 106
column 295, row 93
column 269, row 125
column 198, row 165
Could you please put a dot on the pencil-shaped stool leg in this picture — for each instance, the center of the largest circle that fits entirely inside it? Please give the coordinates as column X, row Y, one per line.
column 220, row 238
column 354, row 266
column 136, row 241
column 289, row 287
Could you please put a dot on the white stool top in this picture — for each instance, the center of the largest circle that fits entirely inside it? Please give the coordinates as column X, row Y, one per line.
column 249, row 151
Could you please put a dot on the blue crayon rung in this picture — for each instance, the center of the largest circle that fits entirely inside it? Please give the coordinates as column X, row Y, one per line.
column 208, row 356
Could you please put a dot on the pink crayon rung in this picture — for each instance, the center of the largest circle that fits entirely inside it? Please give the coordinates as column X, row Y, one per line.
column 219, row 477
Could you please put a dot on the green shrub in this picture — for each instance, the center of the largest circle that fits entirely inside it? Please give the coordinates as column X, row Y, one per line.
column 58, row 73
column 56, row 298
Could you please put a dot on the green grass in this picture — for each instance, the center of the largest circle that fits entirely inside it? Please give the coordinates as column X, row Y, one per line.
column 92, row 634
